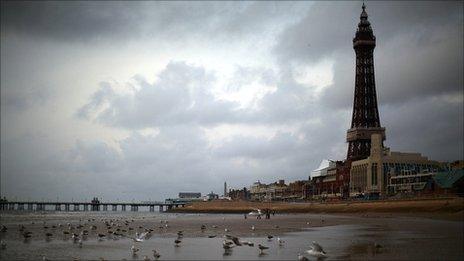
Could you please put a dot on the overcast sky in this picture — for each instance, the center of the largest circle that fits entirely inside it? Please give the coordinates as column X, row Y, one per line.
column 142, row 100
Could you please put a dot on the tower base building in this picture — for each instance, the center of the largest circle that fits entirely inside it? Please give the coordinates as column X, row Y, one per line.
column 387, row 172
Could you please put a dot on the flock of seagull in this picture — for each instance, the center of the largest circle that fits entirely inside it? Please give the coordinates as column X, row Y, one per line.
column 122, row 228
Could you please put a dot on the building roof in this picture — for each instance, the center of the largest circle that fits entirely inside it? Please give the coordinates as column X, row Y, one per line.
column 447, row 179
column 325, row 164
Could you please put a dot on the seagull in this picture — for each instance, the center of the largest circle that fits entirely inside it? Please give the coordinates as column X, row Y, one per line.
column 234, row 239
column 226, row 230
column 255, row 212
column 269, row 237
column 262, row 248
column 316, row 250
column 134, row 250
column 139, row 237
column 253, row 228
column 302, row 258
column 227, row 245
column 156, row 254
column 281, row 242
column 214, row 226
column 101, row 236
column 27, row 234
column 247, row 243
column 177, row 242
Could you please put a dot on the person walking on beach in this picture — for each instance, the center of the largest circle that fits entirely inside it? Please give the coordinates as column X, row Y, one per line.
column 268, row 213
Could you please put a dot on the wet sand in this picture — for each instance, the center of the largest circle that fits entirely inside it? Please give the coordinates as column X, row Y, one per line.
column 350, row 236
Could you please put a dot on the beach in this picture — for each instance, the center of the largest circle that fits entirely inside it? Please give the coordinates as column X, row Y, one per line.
column 345, row 236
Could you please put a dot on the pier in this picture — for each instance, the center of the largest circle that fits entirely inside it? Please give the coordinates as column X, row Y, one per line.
column 86, row 206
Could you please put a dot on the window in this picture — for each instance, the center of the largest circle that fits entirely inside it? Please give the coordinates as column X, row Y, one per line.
column 374, row 174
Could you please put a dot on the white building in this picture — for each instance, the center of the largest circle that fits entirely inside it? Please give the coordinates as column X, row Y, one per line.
column 323, row 168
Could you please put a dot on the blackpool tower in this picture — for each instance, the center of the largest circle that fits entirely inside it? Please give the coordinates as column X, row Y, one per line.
column 365, row 119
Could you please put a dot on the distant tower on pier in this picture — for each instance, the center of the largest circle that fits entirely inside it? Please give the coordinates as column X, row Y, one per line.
column 365, row 120
column 225, row 189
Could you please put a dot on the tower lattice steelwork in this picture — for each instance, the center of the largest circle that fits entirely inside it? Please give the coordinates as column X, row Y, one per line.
column 365, row 120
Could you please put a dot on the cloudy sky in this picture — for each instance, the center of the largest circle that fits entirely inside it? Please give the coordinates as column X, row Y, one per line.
column 141, row 100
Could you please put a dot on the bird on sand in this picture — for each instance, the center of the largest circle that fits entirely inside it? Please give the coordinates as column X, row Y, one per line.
column 134, row 250
column 234, row 239
column 316, row 250
column 227, row 244
column 248, row 243
column 177, row 242
column 269, row 237
column 281, row 242
column 302, row 258
column 253, row 228
column 156, row 254
column 262, row 248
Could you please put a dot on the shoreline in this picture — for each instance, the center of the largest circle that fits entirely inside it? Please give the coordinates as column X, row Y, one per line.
column 451, row 208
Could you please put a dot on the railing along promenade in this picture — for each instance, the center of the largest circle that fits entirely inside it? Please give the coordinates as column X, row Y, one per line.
column 86, row 206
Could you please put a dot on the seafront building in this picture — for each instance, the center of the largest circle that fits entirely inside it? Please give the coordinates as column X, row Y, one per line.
column 387, row 172
column 277, row 191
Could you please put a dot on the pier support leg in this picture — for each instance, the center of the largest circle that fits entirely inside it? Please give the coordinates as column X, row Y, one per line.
column 123, row 207
column 161, row 209
column 152, row 208
column 105, row 207
column 30, row 207
column 76, row 207
column 115, row 207
column 66, row 207
column 58, row 207
column 86, row 207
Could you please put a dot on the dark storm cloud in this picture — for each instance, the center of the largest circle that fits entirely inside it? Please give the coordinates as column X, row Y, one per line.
column 103, row 20
column 432, row 126
column 419, row 47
